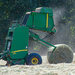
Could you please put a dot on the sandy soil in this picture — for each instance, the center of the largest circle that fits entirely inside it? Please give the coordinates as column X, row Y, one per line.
column 44, row 69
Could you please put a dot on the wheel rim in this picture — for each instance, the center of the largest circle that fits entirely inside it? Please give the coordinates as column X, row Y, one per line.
column 34, row 61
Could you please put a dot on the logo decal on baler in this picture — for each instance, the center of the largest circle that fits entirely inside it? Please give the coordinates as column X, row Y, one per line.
column 14, row 52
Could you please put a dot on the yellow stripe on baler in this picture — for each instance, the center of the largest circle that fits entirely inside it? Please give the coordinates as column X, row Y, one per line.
column 14, row 52
column 47, row 21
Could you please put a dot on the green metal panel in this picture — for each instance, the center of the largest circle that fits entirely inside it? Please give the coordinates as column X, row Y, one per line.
column 19, row 46
column 41, row 19
column 46, row 10
column 50, row 22
column 36, row 20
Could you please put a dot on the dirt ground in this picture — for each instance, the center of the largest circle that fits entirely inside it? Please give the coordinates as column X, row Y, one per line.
column 44, row 69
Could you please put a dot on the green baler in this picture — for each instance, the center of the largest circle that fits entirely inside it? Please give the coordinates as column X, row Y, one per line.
column 16, row 48
column 41, row 19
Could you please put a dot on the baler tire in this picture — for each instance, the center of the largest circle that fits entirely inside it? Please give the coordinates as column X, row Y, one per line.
column 62, row 54
column 33, row 59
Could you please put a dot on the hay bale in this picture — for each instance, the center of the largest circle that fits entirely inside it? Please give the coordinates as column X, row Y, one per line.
column 62, row 54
